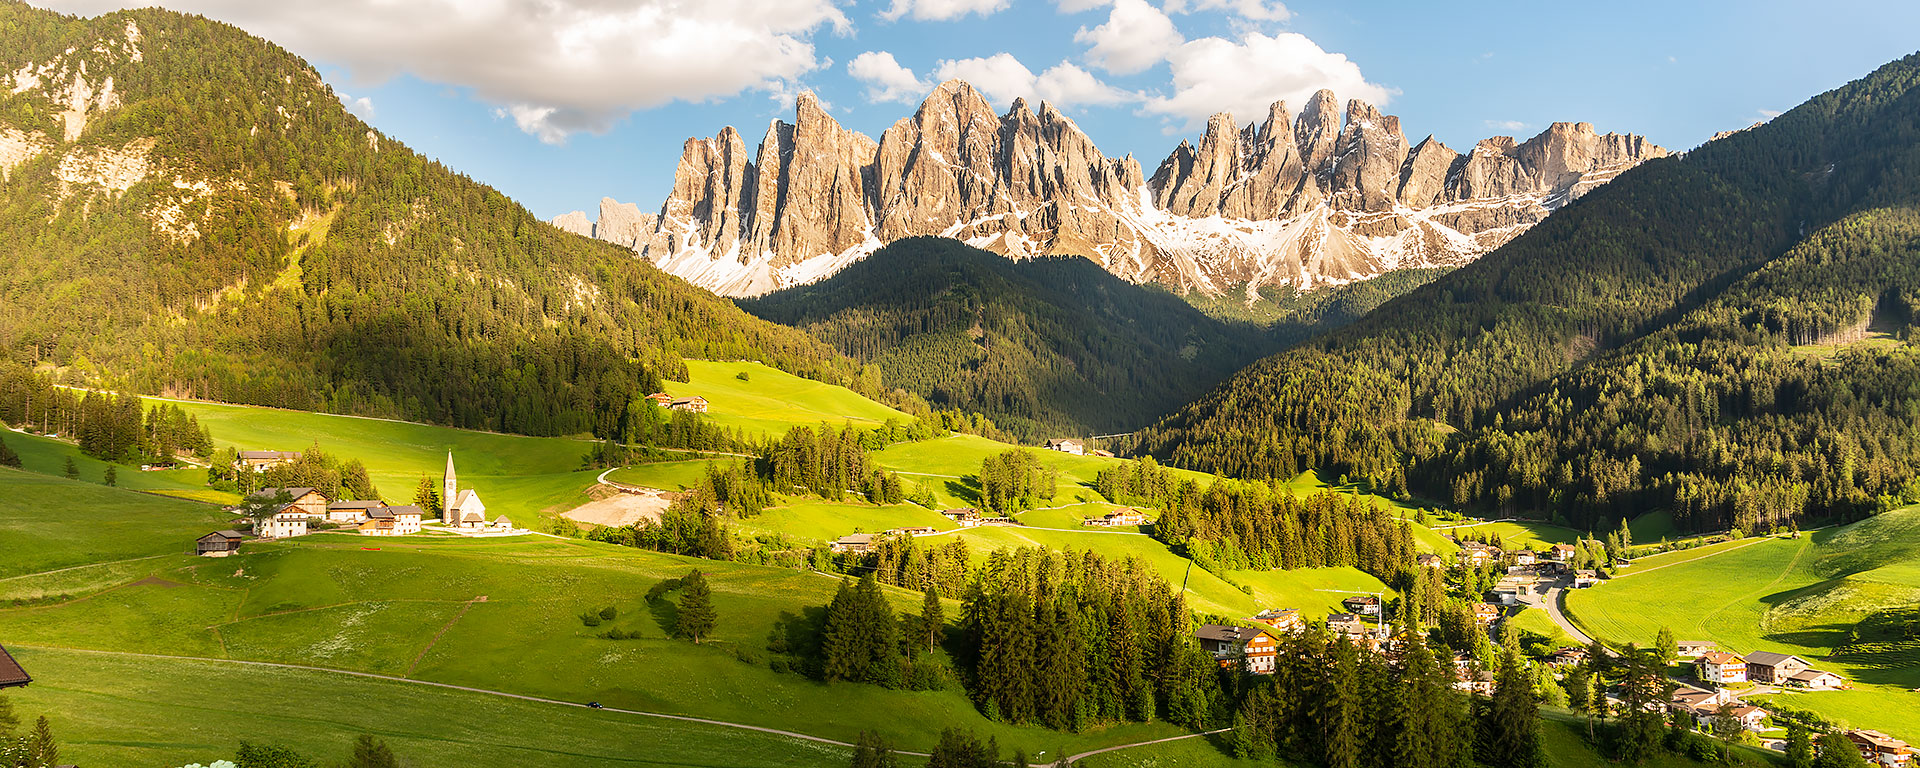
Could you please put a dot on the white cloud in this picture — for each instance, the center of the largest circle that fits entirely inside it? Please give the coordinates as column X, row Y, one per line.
column 886, row 79
column 1770, row 113
column 1212, row 75
column 1076, row 6
column 1255, row 10
column 557, row 66
column 1506, row 125
column 361, row 106
column 1003, row 78
column 1135, row 37
column 942, row 10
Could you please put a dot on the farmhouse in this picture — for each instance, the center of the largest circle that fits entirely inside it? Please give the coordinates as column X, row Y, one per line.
column 1749, row 716
column 1562, row 552
column 1486, row 613
column 1816, row 680
column 967, row 517
column 287, row 523
column 855, row 543
column 1584, row 579
column 1693, row 649
column 309, row 502
column 1568, row 657
column 661, row 399
column 1430, row 560
column 12, row 675
column 1254, row 649
column 219, row 543
column 1770, row 667
column 1346, row 625
column 1474, row 554
column 1365, row 605
column 1282, row 619
column 695, row 404
column 261, row 461
column 1524, row 557
column 351, row 512
column 912, row 530
column 1481, row 682
column 1875, row 746
column 391, row 521
column 463, row 508
column 1721, row 668
column 1118, row 518
column 1067, row 445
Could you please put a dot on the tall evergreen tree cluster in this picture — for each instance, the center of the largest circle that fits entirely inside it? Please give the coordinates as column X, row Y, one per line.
column 1236, row 525
column 1072, row 640
column 1015, row 481
column 830, row 463
column 860, row 641
column 315, row 468
column 901, row 561
column 108, row 426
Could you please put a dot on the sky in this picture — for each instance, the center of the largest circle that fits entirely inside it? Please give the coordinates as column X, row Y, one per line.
column 560, row 102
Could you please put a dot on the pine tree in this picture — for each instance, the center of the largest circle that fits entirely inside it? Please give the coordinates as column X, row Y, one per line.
column 73, row 471
column 111, row 477
column 873, row 751
column 7, row 457
column 42, row 752
column 1838, row 751
column 426, row 496
column 270, row 756
column 1510, row 725
column 933, row 621
column 1425, row 717
column 960, row 749
column 369, row 752
column 1799, row 747
column 1664, row 648
column 696, row 617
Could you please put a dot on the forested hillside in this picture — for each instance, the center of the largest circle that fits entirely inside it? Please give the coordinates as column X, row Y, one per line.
column 188, row 209
column 1723, row 334
column 1045, row 346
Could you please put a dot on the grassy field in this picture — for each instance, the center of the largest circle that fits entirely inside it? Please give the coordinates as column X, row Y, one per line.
column 1800, row 596
column 1530, row 534
column 771, row 401
column 48, row 456
column 822, row 521
column 52, row 522
column 132, row 710
column 1538, row 622
column 415, row 608
column 516, row 475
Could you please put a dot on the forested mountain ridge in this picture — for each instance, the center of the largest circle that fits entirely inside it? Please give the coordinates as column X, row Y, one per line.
column 1046, row 347
column 1635, row 350
column 189, row 209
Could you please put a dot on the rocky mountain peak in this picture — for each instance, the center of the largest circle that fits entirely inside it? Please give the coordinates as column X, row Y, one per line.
column 1332, row 194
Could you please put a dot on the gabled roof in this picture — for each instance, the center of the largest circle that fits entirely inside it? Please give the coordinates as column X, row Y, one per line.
column 1342, row 618
column 227, row 535
column 855, row 538
column 1811, row 674
column 269, row 454
column 1720, row 657
column 1771, row 659
column 380, row 513
column 268, row 493
column 351, row 504
column 11, row 673
column 406, row 509
column 1224, row 633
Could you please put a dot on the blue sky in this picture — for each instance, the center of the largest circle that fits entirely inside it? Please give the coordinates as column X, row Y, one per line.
column 558, row 102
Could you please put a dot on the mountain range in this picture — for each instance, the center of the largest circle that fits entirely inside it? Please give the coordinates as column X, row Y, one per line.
column 1302, row 201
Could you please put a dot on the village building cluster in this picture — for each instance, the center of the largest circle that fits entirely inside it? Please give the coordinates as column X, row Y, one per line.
column 306, row 508
column 694, row 404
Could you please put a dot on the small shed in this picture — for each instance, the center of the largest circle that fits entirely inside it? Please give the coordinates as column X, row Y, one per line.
column 219, row 543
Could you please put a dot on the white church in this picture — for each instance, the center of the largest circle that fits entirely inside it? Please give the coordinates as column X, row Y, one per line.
column 463, row 510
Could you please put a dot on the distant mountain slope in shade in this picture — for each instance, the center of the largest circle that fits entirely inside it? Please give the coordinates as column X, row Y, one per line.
column 1047, row 346
column 189, row 209
column 1727, row 335
column 1300, row 202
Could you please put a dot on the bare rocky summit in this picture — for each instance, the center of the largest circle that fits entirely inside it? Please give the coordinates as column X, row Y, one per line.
column 1305, row 201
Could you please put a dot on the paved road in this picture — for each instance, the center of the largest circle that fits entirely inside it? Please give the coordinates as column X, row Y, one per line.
column 1077, row 758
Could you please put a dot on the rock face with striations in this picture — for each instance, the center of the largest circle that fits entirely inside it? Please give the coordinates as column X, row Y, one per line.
column 1303, row 202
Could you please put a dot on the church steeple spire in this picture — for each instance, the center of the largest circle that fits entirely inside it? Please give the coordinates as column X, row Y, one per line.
column 449, row 493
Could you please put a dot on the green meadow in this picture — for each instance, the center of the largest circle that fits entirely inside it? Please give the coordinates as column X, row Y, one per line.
column 48, row 456
column 770, row 401
column 47, row 523
column 135, row 710
column 1801, row 596
column 1530, row 534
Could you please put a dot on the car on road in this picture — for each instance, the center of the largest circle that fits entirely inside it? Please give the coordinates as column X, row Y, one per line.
column 594, row 705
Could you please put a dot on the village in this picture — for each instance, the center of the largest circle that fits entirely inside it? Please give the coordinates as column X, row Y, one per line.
column 282, row 513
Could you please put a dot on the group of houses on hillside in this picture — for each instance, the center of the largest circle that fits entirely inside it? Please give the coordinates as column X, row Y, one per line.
column 1722, row 668
column 1118, row 518
column 1075, row 447
column 1254, row 646
column 307, row 508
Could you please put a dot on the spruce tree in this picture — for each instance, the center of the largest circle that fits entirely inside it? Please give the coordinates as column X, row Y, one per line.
column 1665, row 649
column 1838, row 751
column 111, row 477
column 1425, row 718
column 7, row 457
column 42, row 752
column 839, row 637
column 426, row 496
column 1510, row 724
column 1337, row 709
column 369, row 752
column 873, row 751
column 73, row 471
column 933, row 620
column 1799, row 747
column 696, row 618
